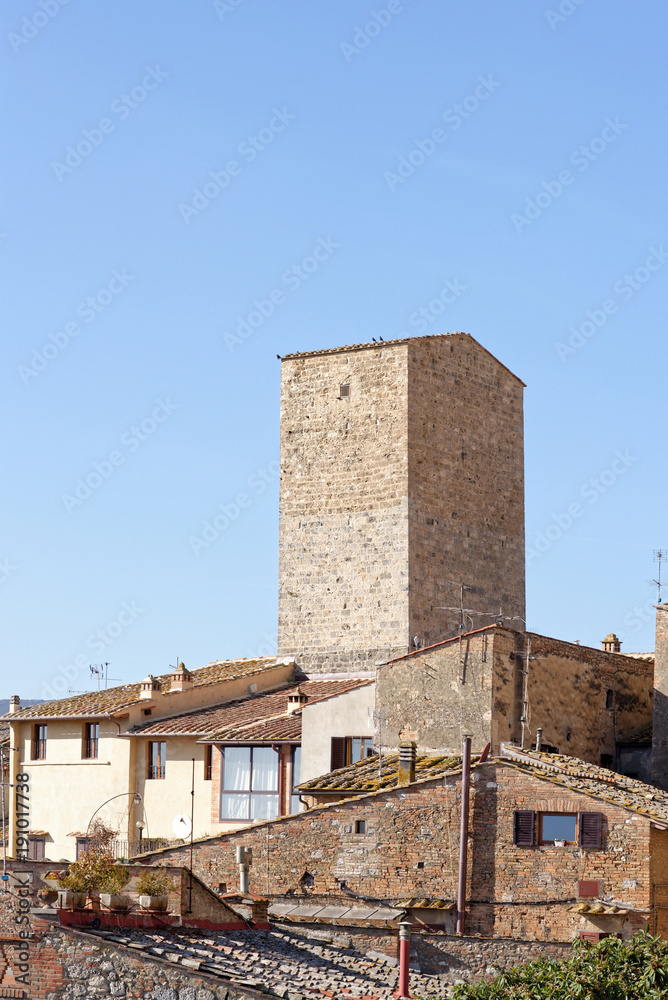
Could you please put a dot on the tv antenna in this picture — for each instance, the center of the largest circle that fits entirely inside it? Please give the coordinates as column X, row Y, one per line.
column 101, row 672
column 659, row 555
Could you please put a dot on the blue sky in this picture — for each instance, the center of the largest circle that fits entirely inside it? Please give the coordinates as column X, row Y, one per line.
column 168, row 166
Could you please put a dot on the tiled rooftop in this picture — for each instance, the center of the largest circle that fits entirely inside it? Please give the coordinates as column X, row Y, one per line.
column 599, row 782
column 367, row 776
column 261, row 717
column 102, row 703
column 282, row 961
column 392, row 343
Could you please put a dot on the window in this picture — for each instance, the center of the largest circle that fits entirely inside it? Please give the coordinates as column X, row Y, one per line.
column 39, row 743
column 610, row 699
column 83, row 844
column 91, row 739
column 36, row 848
column 523, row 827
column 296, row 761
column 208, row 761
column 349, row 749
column 157, row 755
column 344, row 389
column 250, row 783
column 607, row 761
column 591, row 829
column 360, row 826
column 557, row 829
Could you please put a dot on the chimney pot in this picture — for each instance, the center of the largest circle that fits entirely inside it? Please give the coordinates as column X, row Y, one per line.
column 149, row 687
column 406, row 763
column 611, row 644
column 14, row 703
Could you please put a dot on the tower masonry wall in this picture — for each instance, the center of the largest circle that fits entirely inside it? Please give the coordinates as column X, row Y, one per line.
column 401, row 494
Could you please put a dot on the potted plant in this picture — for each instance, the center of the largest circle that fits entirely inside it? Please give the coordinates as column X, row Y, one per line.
column 72, row 893
column 110, row 888
column 95, row 872
column 153, row 887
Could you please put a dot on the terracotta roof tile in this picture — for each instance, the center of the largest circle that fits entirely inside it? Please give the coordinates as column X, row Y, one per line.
column 256, row 718
column 598, row 782
column 102, row 703
column 357, row 779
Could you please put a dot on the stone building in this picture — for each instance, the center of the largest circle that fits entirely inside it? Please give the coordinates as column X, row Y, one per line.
column 402, row 499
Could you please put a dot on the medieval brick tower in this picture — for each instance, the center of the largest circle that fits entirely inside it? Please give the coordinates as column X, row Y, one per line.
column 402, row 491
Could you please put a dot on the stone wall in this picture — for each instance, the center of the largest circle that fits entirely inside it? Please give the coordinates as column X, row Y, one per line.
column 410, row 848
column 660, row 720
column 395, row 495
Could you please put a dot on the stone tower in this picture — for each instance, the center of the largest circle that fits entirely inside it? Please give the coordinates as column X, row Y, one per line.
column 660, row 704
column 402, row 492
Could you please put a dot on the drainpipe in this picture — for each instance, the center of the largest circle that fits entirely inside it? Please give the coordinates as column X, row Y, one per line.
column 244, row 856
column 464, row 834
column 404, row 958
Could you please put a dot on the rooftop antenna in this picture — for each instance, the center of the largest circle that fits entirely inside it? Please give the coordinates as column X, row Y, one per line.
column 101, row 671
column 659, row 554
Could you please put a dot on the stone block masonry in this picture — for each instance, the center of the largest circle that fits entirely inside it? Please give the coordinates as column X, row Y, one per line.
column 401, row 482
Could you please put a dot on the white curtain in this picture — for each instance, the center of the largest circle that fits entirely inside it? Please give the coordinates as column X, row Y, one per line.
column 264, row 806
column 237, row 768
column 265, row 769
column 234, row 806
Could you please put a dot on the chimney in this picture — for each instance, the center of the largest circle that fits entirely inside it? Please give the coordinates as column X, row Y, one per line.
column 611, row 644
column 296, row 699
column 180, row 679
column 14, row 704
column 660, row 706
column 149, row 687
column 406, row 765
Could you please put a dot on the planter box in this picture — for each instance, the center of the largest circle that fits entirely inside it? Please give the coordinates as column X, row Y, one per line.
column 68, row 900
column 156, row 903
column 114, row 901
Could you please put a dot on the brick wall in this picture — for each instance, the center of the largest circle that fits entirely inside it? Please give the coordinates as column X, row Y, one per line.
column 411, row 846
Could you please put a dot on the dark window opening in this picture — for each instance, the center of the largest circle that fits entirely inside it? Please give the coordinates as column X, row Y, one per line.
column 91, row 739
column 607, row 760
column 610, row 699
column 147, row 711
column 39, row 743
column 420, row 864
column 344, row 390
column 208, row 761
column 157, row 756
column 349, row 750
column 360, row 826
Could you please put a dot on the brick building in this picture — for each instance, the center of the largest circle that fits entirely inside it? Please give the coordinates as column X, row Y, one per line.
column 402, row 498
column 557, row 847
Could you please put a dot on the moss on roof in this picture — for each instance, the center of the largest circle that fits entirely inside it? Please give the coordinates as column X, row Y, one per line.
column 370, row 776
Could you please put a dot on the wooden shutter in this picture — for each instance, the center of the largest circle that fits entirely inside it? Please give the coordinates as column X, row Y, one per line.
column 590, row 829
column 36, row 849
column 338, row 752
column 523, row 827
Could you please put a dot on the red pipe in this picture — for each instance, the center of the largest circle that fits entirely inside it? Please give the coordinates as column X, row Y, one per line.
column 464, row 835
column 404, row 958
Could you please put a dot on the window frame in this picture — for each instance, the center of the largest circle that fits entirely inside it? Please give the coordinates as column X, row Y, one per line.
column 32, row 842
column 39, row 737
column 90, row 743
column 342, row 748
column 250, row 791
column 541, row 842
column 162, row 761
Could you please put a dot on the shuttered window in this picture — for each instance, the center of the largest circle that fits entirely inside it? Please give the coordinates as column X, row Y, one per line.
column 338, row 752
column 523, row 827
column 590, row 829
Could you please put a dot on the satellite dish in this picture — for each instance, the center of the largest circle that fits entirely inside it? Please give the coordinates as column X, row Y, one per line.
column 181, row 826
